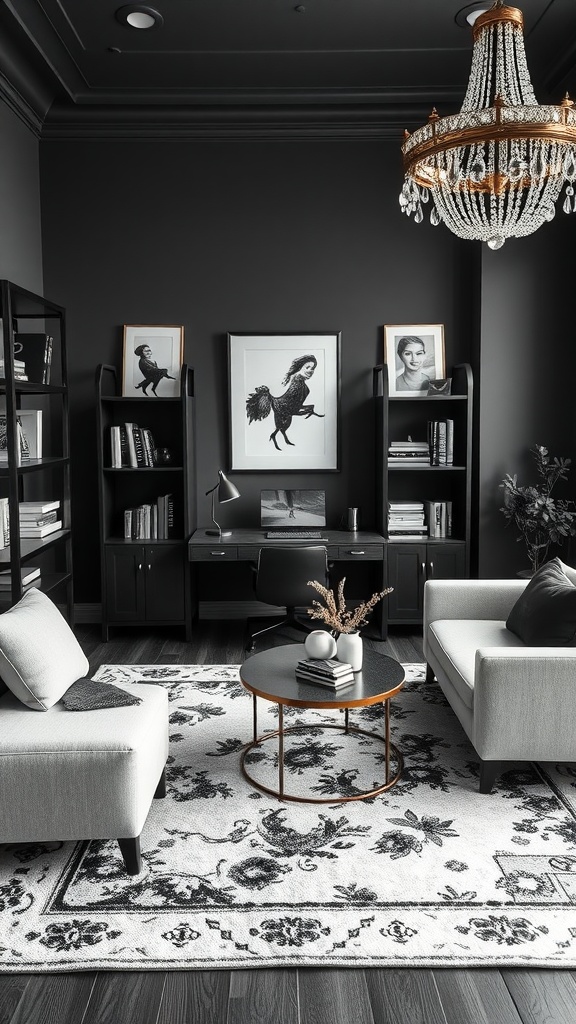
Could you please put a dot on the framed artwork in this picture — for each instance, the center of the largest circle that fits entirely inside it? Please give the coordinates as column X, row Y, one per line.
column 415, row 357
column 284, row 402
column 153, row 357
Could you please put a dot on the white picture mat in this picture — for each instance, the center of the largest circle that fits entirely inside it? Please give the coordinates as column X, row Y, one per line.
column 257, row 360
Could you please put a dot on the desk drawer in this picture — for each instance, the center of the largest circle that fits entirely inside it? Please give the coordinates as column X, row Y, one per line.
column 360, row 552
column 203, row 553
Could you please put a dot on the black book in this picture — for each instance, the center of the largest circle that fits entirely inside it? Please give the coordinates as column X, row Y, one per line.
column 320, row 680
column 36, row 351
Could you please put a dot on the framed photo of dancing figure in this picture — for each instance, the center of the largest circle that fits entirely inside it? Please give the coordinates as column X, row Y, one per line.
column 153, row 357
column 284, row 402
column 415, row 357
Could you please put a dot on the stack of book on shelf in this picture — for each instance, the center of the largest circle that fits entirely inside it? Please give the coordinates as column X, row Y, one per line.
column 19, row 369
column 36, row 350
column 406, row 520
column 131, row 446
column 325, row 672
column 439, row 518
column 441, row 440
column 23, row 446
column 4, row 523
column 151, row 521
column 29, row 574
column 409, row 453
column 39, row 518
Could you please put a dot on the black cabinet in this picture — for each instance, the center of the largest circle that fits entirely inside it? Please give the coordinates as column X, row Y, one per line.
column 146, row 577
column 35, row 447
column 398, row 418
column 410, row 565
column 145, row 583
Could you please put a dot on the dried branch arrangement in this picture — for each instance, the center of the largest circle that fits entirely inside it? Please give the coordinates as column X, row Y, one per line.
column 334, row 612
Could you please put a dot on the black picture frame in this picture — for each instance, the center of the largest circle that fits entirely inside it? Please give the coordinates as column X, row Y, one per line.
column 284, row 402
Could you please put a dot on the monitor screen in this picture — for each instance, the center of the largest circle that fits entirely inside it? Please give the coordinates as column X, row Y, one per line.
column 293, row 508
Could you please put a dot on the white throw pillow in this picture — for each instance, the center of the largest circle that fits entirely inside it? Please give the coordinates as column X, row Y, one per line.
column 39, row 655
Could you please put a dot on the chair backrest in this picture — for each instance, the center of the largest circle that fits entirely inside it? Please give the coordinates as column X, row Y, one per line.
column 283, row 573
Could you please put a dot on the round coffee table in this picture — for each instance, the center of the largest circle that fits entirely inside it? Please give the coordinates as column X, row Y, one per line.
column 271, row 675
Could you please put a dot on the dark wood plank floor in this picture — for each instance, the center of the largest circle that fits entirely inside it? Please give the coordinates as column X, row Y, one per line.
column 308, row 996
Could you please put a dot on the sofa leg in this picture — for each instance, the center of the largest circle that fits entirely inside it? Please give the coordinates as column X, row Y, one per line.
column 161, row 787
column 488, row 772
column 130, row 850
column 429, row 674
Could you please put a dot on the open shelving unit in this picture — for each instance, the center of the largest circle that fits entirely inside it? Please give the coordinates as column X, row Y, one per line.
column 411, row 563
column 146, row 582
column 36, row 479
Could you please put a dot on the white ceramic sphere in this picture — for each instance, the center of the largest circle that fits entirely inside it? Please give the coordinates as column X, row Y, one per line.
column 320, row 644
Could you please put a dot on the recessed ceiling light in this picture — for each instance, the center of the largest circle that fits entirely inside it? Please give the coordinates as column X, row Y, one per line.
column 467, row 16
column 139, row 16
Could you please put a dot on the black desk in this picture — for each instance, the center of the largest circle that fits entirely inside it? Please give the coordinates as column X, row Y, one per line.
column 343, row 546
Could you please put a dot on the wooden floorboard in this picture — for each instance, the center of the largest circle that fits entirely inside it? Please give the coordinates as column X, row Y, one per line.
column 401, row 996
column 261, row 996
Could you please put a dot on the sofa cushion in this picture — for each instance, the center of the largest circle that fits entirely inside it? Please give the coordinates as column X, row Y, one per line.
column 545, row 613
column 39, row 655
column 454, row 643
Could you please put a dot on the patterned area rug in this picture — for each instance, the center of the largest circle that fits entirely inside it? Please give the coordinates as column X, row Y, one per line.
column 430, row 873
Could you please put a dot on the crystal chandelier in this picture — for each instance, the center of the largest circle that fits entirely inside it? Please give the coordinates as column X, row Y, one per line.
column 495, row 170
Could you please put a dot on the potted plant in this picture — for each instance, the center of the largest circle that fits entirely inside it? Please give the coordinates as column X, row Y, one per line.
column 540, row 519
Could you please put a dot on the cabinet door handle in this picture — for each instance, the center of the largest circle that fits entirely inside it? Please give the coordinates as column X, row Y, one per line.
column 356, row 552
column 217, row 552
column 140, row 567
column 431, row 573
column 423, row 568
column 149, row 567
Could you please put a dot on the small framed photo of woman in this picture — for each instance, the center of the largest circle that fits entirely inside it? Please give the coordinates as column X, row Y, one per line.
column 153, row 357
column 415, row 357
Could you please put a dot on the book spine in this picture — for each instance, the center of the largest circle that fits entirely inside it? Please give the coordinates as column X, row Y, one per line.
column 115, row 449
column 132, row 457
column 138, row 445
column 449, row 442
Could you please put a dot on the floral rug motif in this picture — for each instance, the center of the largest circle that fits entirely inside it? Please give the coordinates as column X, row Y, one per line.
column 430, row 873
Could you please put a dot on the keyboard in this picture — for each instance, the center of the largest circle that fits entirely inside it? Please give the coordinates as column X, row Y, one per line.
column 295, row 535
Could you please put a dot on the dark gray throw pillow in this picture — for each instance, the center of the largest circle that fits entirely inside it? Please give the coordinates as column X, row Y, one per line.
column 545, row 613
column 87, row 695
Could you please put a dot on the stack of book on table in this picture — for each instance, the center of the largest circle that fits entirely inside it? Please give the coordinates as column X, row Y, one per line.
column 29, row 574
column 406, row 521
column 39, row 518
column 325, row 672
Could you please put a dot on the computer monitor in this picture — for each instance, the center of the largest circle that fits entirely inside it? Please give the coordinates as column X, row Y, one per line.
column 295, row 508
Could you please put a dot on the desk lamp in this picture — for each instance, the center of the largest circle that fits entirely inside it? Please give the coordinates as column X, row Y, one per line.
column 226, row 492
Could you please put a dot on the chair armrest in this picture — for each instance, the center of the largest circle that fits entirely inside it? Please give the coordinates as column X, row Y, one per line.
column 470, row 599
column 524, row 703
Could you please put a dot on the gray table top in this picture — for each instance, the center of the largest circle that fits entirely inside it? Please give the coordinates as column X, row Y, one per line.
column 271, row 674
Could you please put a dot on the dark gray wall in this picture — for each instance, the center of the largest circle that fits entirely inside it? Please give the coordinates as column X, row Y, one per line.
column 20, row 229
column 296, row 236
column 238, row 236
column 528, row 375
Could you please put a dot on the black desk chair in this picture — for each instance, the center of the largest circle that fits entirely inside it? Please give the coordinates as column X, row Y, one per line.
column 282, row 578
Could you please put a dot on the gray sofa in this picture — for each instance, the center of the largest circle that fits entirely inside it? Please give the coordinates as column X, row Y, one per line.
column 515, row 703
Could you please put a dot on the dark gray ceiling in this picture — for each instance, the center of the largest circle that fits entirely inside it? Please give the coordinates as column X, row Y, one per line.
column 372, row 63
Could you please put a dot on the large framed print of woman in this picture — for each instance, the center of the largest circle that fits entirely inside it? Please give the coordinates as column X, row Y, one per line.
column 284, row 398
column 415, row 357
column 153, row 357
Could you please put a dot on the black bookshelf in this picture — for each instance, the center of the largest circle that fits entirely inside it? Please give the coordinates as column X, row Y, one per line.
column 46, row 478
column 146, row 582
column 411, row 562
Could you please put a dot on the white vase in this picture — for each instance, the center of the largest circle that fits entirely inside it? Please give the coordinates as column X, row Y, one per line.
column 320, row 644
column 349, row 649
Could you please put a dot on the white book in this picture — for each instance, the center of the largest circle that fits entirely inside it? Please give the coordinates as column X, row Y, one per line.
column 40, row 531
column 38, row 506
column 28, row 574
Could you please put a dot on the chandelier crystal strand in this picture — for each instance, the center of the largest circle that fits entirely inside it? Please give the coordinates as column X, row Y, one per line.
column 495, row 170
